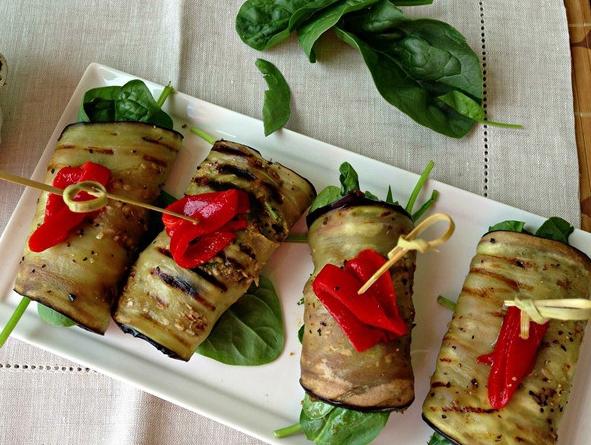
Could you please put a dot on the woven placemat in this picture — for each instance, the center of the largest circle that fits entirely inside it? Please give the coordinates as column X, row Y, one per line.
column 579, row 22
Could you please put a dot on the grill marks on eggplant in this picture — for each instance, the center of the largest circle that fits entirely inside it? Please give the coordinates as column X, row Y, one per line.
column 275, row 192
column 515, row 264
column 236, row 171
column 513, row 284
column 183, row 286
column 260, row 195
column 160, row 141
column 183, row 323
column 233, row 150
column 155, row 160
column 93, row 261
column 201, row 271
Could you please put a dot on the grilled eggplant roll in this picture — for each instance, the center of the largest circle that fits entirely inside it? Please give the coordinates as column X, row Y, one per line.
column 380, row 378
column 80, row 277
column 176, row 308
column 508, row 265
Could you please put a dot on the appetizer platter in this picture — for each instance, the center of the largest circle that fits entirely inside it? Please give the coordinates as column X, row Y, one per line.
column 282, row 173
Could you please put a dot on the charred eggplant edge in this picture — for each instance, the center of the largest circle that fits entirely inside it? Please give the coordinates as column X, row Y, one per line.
column 541, row 242
column 137, row 334
column 355, row 199
column 225, row 141
column 441, row 433
column 362, row 409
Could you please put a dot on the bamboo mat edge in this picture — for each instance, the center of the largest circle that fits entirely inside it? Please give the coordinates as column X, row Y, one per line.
column 579, row 23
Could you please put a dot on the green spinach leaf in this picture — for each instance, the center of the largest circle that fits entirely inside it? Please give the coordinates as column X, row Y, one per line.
column 327, row 196
column 325, row 424
column 276, row 106
column 348, row 178
column 262, row 24
column 419, row 186
column 508, row 226
column 556, row 229
column 464, row 105
column 325, row 20
column 438, row 439
column 405, row 93
column 301, row 331
column 370, row 195
column 412, row 2
column 426, row 206
column 136, row 103
column 98, row 105
column 250, row 332
column 468, row 107
column 52, row 317
column 390, row 197
column 130, row 102
column 429, row 51
column 380, row 18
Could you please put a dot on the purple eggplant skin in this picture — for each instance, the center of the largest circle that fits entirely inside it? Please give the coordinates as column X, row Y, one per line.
column 81, row 277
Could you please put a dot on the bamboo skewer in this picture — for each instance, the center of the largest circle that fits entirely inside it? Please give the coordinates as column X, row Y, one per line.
column 411, row 242
column 93, row 188
column 541, row 311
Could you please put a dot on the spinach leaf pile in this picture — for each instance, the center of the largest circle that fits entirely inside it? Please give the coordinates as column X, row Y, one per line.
column 423, row 67
column 326, row 424
column 250, row 332
column 554, row 228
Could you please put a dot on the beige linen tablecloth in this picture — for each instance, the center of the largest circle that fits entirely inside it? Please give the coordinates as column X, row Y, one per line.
column 524, row 49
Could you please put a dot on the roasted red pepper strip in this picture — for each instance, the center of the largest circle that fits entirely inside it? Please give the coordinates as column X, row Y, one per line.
column 220, row 214
column 364, row 266
column 366, row 319
column 59, row 220
column 360, row 335
column 512, row 359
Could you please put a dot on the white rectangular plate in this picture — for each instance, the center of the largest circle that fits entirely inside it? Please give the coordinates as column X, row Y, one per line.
column 261, row 399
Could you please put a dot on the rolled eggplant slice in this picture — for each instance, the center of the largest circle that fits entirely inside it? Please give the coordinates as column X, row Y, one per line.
column 381, row 378
column 176, row 308
column 508, row 265
column 80, row 277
